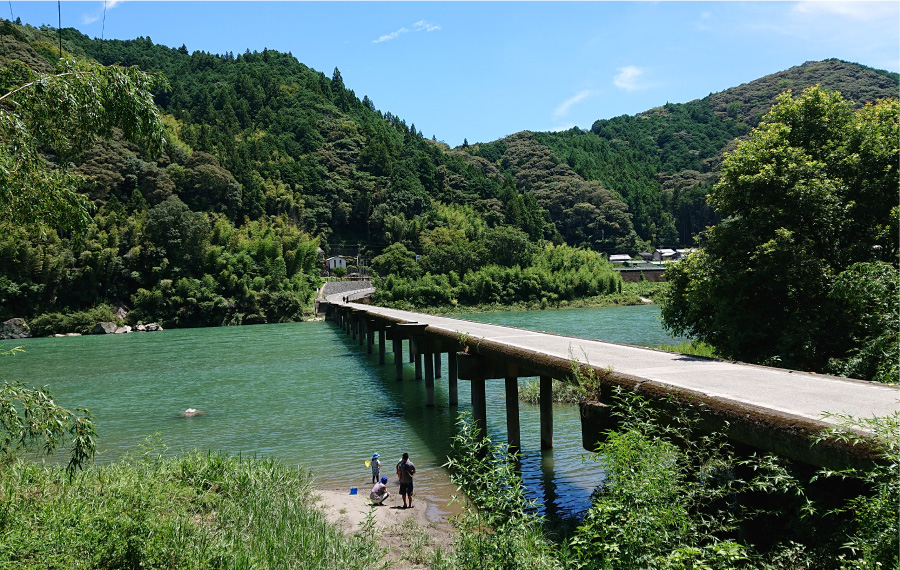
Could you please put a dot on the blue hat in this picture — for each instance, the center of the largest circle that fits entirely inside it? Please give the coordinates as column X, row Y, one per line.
column 384, row 479
column 375, row 455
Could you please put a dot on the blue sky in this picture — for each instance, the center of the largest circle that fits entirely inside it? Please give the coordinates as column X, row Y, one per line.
column 483, row 70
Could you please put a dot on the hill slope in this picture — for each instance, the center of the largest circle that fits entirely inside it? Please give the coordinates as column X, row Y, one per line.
column 268, row 158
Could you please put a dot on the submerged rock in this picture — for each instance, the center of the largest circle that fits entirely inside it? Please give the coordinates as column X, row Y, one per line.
column 191, row 412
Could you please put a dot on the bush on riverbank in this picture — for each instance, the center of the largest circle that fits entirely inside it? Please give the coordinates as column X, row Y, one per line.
column 555, row 274
column 195, row 511
column 676, row 498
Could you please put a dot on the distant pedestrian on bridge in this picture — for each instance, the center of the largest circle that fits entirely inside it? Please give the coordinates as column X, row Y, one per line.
column 405, row 472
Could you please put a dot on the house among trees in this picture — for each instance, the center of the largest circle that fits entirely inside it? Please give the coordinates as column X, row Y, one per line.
column 336, row 261
column 619, row 258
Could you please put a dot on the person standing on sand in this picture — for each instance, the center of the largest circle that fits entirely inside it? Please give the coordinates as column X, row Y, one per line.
column 405, row 472
column 376, row 467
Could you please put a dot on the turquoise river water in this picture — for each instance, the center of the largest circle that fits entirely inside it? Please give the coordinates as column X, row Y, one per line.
column 309, row 395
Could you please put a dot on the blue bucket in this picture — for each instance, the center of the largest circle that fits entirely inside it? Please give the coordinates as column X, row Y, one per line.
column 353, row 490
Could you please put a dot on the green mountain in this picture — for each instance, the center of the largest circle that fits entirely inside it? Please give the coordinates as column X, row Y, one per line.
column 268, row 159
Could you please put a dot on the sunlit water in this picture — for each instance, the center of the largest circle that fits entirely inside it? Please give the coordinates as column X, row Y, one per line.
column 309, row 395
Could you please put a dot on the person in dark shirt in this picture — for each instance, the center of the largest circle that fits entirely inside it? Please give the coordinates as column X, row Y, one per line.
column 405, row 472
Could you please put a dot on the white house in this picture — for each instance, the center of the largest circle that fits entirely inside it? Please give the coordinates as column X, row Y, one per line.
column 619, row 258
column 336, row 261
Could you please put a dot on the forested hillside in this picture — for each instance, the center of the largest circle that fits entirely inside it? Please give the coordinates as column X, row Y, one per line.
column 267, row 160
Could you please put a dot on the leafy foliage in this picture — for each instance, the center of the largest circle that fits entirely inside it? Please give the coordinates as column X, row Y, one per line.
column 810, row 204
column 498, row 529
column 555, row 274
column 30, row 420
column 61, row 113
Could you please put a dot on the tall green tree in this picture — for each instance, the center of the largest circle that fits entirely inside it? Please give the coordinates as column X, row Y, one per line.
column 48, row 120
column 807, row 199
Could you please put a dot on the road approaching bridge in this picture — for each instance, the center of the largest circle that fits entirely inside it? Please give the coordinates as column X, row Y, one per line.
column 766, row 408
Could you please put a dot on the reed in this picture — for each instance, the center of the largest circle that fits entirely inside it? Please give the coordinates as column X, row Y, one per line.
column 195, row 511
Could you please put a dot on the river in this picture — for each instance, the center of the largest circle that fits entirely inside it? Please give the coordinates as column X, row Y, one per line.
column 309, row 395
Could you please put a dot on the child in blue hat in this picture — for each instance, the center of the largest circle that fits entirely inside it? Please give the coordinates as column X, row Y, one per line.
column 376, row 467
column 379, row 492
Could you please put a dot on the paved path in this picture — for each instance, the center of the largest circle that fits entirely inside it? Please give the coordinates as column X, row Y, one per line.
column 799, row 394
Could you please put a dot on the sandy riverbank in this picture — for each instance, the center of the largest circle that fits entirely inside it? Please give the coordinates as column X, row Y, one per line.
column 404, row 545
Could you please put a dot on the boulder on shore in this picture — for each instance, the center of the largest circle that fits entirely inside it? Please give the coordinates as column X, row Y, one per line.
column 123, row 330
column 13, row 329
column 105, row 328
column 149, row 327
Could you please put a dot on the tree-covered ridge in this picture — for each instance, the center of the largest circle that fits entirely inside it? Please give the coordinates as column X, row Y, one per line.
column 663, row 162
column 261, row 138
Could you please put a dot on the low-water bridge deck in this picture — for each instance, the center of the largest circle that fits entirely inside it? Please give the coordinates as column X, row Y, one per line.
column 767, row 408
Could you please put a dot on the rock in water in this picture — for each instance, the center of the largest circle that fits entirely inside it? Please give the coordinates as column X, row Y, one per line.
column 191, row 412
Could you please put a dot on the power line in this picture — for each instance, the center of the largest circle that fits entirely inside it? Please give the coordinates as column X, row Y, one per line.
column 103, row 29
column 11, row 17
column 59, row 11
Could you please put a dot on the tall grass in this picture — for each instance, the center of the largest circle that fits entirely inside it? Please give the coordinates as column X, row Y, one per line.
column 196, row 511
column 564, row 392
column 692, row 347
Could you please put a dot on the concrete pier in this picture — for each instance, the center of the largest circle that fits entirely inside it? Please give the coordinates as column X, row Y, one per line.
column 546, row 405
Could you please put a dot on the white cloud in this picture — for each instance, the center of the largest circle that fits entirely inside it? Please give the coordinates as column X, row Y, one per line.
column 420, row 26
column 108, row 5
column 854, row 9
column 629, row 78
column 390, row 36
column 423, row 25
column 564, row 107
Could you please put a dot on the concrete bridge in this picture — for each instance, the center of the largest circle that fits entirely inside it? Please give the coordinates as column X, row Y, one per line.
column 769, row 409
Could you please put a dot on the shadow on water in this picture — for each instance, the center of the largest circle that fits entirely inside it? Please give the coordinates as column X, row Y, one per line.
column 557, row 479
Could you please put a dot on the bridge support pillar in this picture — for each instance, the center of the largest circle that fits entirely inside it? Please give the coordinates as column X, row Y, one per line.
column 415, row 344
column 452, row 379
column 412, row 354
column 354, row 325
column 361, row 324
column 370, row 335
column 479, row 406
column 398, row 357
column 437, row 364
column 512, row 414
column 381, row 350
column 429, row 379
column 546, row 412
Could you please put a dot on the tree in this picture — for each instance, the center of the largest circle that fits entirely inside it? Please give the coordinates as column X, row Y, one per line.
column 395, row 260
column 807, row 199
column 29, row 419
column 47, row 121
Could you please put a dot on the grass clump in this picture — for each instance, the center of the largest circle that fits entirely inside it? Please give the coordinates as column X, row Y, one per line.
column 691, row 347
column 562, row 392
column 195, row 511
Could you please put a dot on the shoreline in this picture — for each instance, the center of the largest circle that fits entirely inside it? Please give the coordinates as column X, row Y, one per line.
column 407, row 536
